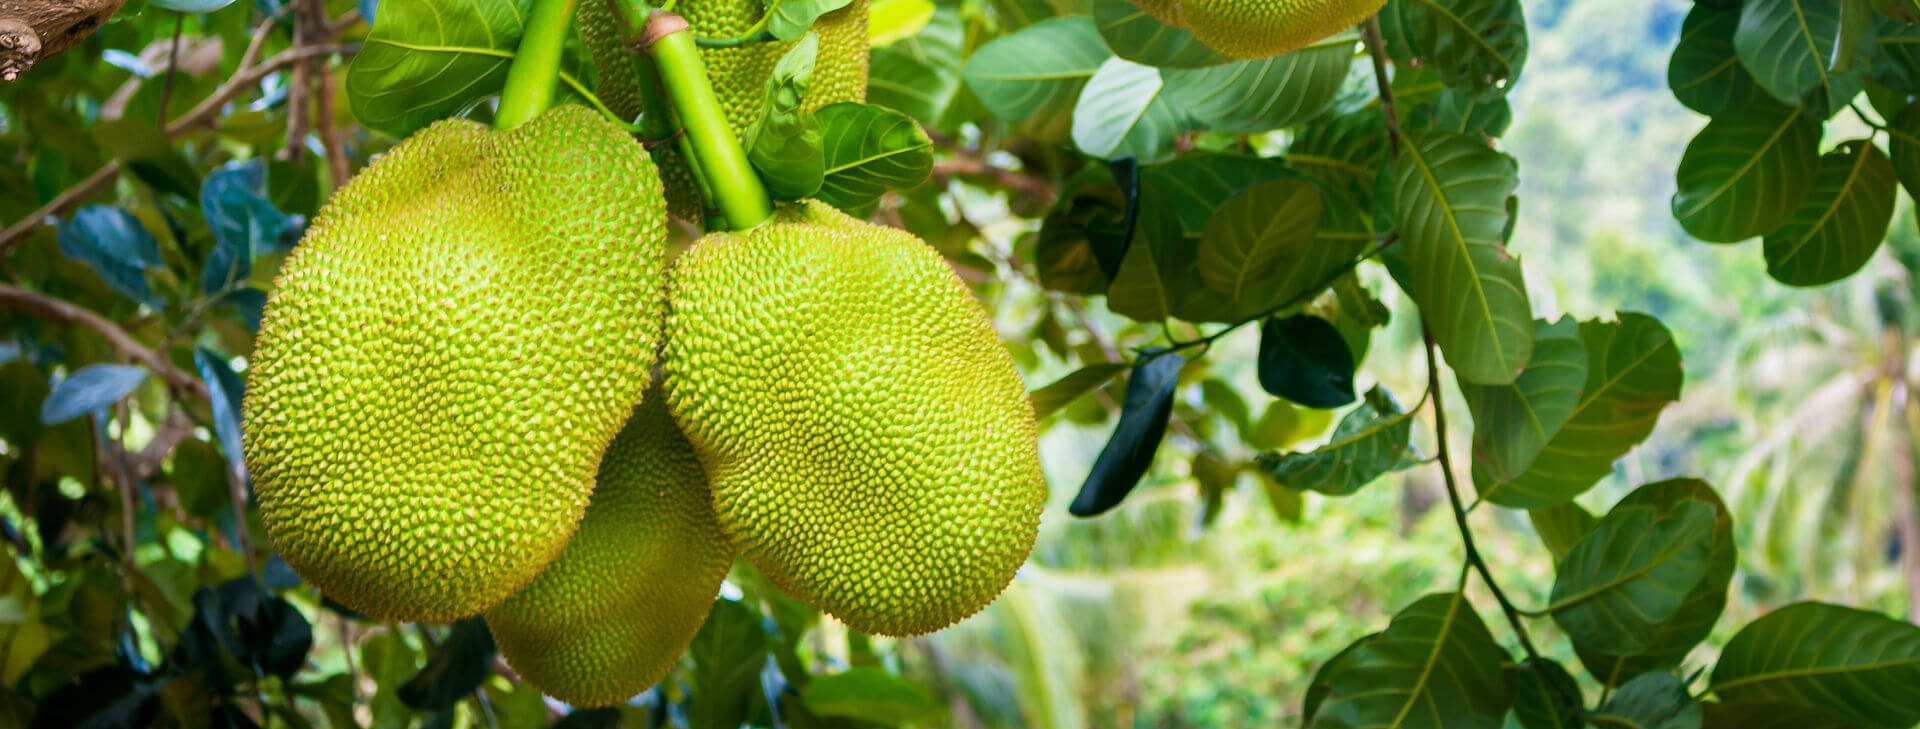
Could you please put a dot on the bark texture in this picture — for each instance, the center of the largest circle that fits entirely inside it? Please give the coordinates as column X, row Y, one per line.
column 34, row 30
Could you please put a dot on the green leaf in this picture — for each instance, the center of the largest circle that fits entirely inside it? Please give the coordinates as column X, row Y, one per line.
column 199, row 478
column 784, row 144
column 1050, row 399
column 1651, row 701
column 1850, row 663
column 870, row 150
column 1122, row 113
column 1788, row 46
column 1704, row 72
column 1159, row 277
column 89, row 390
column 728, row 654
column 1141, row 38
column 1035, row 74
column 791, row 19
column 1317, row 689
column 1841, row 221
column 1129, row 451
column 1633, row 371
column 1903, row 136
column 1744, row 174
column 1263, row 94
column 1477, row 45
column 1372, row 440
column 1561, row 527
column 426, row 60
column 463, row 659
column 1674, row 638
column 1631, row 573
column 1513, row 422
column 1434, row 667
column 1303, row 359
column 920, row 75
column 1545, row 696
column 1344, row 151
column 1259, row 244
column 869, row 693
column 1450, row 197
column 1769, row 715
column 1460, row 112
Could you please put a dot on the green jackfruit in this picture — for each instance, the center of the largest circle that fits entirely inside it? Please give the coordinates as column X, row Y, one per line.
column 739, row 75
column 869, row 442
column 615, row 611
column 1260, row 28
column 449, row 350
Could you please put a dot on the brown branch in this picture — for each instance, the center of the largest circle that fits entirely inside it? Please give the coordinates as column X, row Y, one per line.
column 69, row 314
column 172, row 431
column 1376, row 50
column 31, row 32
column 965, row 162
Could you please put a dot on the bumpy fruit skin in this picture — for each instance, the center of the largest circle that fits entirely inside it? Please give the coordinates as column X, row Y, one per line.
column 612, row 614
column 739, row 74
column 1260, row 28
column 869, row 442
column 449, row 350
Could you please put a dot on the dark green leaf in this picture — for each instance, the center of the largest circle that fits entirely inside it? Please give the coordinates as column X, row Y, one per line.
column 1141, row 38
column 1460, row 112
column 1344, row 151
column 1435, row 667
column 1744, row 174
column 1840, row 223
column 1259, row 248
column 1048, row 400
column 1903, row 140
column 1450, row 197
column 1770, row 715
column 1129, row 451
column 1788, row 46
column 784, row 144
column 1633, row 371
column 791, row 19
column 1561, row 527
column 1545, row 696
column 1317, row 689
column 728, row 653
column 1513, row 422
column 426, row 60
column 1631, row 574
column 1034, row 75
column 456, row 668
column 243, row 221
column 1123, row 112
column 1303, row 359
column 1478, row 45
column 1372, row 440
column 1263, row 94
column 89, row 390
column 1704, row 72
column 1674, row 638
column 22, row 390
column 1651, row 701
column 869, row 693
column 225, row 391
column 1850, row 663
column 870, row 150
column 116, row 245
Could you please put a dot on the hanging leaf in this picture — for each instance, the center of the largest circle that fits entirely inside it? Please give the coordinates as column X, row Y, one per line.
column 1303, row 359
column 1035, row 74
column 1841, row 221
column 920, row 76
column 1435, row 667
column 462, row 661
column 1561, row 527
column 784, row 144
column 1141, row 38
column 1122, row 112
column 1050, row 399
column 1744, row 174
column 1704, row 72
column 1450, row 197
column 728, row 654
column 116, row 246
column 243, row 221
column 88, row 391
column 1788, row 46
column 1263, row 94
column 1373, row 440
column 225, row 392
column 1513, row 422
column 1478, row 45
column 870, row 150
column 1129, row 451
column 1849, row 663
column 1258, row 248
column 1545, row 696
column 1631, row 573
column 1651, row 701
column 1633, row 372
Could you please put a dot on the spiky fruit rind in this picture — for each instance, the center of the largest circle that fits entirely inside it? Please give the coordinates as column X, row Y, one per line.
column 1249, row 29
column 869, row 441
column 612, row 62
column 460, row 333
column 611, row 616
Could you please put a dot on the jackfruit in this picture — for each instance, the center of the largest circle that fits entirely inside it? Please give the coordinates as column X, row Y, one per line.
column 739, row 74
column 1260, row 28
column 612, row 614
column 463, row 329
column 869, row 442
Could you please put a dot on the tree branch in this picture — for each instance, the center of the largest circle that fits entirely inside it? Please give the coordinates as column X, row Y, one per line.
column 1377, row 52
column 966, row 162
column 69, row 314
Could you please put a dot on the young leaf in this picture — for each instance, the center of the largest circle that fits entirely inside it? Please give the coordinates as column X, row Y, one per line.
column 1631, row 573
column 1129, row 451
column 89, row 390
column 1840, row 223
column 1633, row 371
column 1850, row 663
column 1450, row 197
column 1123, row 112
column 784, row 144
column 1263, row 94
column 1513, row 422
column 1704, row 74
column 790, row 19
column 1435, row 667
column 117, row 246
column 1048, row 400
column 1652, row 701
column 1034, row 74
column 1303, row 359
column 1371, row 441
column 1744, row 174
column 870, row 150
column 1141, row 38
column 1545, row 696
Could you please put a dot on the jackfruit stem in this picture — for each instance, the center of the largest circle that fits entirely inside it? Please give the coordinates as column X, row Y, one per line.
column 719, row 158
column 535, row 70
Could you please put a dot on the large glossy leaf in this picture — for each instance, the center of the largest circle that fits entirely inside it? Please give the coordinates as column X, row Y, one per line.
column 1631, row 573
column 116, row 246
column 1450, row 198
column 1788, row 46
column 1035, row 74
column 1840, row 223
column 1670, row 642
column 1650, row 701
column 1633, row 371
column 1545, row 696
column 869, row 150
column 1744, row 174
column 1372, row 440
column 1561, row 527
column 1129, row 451
column 1478, row 45
column 1851, row 663
column 428, row 59
column 225, row 391
column 1435, row 667
column 1345, row 151
column 89, row 390
column 1903, row 141
column 1303, row 359
column 1513, row 422
column 1317, row 689
column 1159, row 275
column 1263, row 94
column 1050, row 399
column 920, row 75
column 1123, row 112
column 1704, row 73
column 243, row 221
column 1260, row 244
column 1142, row 38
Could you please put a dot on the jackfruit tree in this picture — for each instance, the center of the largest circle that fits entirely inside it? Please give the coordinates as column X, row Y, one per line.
column 723, row 363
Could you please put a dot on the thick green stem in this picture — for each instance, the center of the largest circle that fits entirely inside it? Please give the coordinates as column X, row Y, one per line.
column 717, row 154
column 536, row 64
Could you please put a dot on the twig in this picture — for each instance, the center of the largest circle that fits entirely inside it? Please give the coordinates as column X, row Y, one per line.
column 173, row 60
column 68, row 314
column 1297, row 300
column 1376, row 50
column 172, row 431
column 966, row 162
